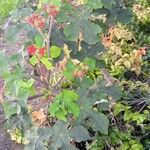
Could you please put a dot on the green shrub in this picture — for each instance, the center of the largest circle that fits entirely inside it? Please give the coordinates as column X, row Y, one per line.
column 7, row 6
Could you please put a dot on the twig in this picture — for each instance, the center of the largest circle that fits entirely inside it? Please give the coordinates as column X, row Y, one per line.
column 30, row 98
column 143, row 107
column 40, row 69
column 36, row 96
column 49, row 35
column 48, row 41
column 58, row 81
column 43, row 82
column 36, row 79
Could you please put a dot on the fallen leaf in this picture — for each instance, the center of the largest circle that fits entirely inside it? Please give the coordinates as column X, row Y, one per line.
column 39, row 117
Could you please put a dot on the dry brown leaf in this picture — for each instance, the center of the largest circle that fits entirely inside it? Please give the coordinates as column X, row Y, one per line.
column 39, row 117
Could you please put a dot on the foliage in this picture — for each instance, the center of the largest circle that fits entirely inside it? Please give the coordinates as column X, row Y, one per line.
column 6, row 7
column 123, row 56
column 66, row 44
column 65, row 103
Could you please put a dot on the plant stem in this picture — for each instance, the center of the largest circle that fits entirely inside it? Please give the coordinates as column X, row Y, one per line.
column 36, row 96
column 29, row 98
column 58, row 82
column 43, row 82
column 49, row 35
column 48, row 42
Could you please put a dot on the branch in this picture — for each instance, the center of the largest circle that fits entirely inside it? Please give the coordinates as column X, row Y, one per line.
column 36, row 96
column 43, row 82
column 58, row 82
column 48, row 42
column 49, row 35
column 29, row 98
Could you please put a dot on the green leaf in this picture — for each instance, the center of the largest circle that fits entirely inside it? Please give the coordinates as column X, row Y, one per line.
column 68, row 74
column 20, row 13
column 70, row 65
column 55, row 51
column 87, row 50
column 69, row 96
column 80, row 22
column 39, row 40
column 65, row 9
column 70, row 68
column 56, row 2
column 54, row 107
column 64, row 103
column 26, row 84
column 15, row 58
column 61, row 137
column 128, row 115
column 90, row 32
column 141, row 118
column 72, row 30
column 119, row 108
column 10, row 109
column 30, row 83
column 124, row 15
column 74, row 108
column 3, row 62
column 137, row 147
column 61, row 115
column 113, row 91
column 90, row 62
column 33, row 60
column 107, row 3
column 22, row 120
column 100, row 63
column 12, row 34
column 103, row 104
column 124, row 146
column 47, row 63
column 79, row 133
column 37, row 138
column 97, row 4
column 97, row 120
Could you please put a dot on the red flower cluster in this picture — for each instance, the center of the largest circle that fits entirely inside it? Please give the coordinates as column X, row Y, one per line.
column 42, row 51
column 36, row 20
column 33, row 50
column 52, row 10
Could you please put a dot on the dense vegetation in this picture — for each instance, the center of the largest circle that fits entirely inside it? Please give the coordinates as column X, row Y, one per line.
column 6, row 7
column 82, row 77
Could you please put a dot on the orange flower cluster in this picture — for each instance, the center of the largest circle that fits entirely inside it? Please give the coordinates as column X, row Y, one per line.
column 36, row 21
